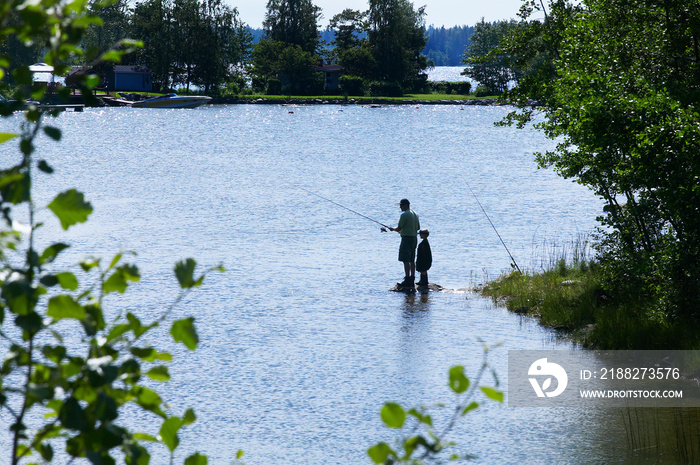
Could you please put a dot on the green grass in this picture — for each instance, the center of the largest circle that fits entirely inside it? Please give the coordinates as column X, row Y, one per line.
column 433, row 97
column 566, row 294
column 411, row 97
column 284, row 98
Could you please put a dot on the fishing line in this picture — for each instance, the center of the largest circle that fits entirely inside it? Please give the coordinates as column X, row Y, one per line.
column 494, row 227
column 343, row 206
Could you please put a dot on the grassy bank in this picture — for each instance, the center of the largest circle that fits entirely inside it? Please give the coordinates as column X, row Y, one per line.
column 406, row 99
column 567, row 295
column 410, row 99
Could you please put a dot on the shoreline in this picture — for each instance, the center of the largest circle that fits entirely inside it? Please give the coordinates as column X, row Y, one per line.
column 354, row 101
column 109, row 100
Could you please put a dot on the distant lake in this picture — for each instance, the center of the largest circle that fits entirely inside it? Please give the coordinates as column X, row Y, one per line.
column 447, row 73
column 301, row 340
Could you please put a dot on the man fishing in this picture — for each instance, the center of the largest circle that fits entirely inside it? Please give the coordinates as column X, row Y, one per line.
column 408, row 228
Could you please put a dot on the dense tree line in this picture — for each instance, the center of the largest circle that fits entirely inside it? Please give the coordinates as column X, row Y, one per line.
column 446, row 46
column 176, row 32
column 618, row 83
column 382, row 49
column 285, row 56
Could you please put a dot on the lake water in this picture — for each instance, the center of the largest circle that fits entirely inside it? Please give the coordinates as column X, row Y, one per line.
column 301, row 340
column 447, row 73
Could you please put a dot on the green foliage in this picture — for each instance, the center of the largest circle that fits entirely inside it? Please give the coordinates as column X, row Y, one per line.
column 175, row 33
column 273, row 87
column 532, row 50
column 445, row 46
column 67, row 356
column 289, row 50
column 150, row 23
column 564, row 296
column 421, row 440
column 385, row 89
column 445, row 87
column 71, row 208
column 351, row 47
column 617, row 81
column 294, row 22
column 113, row 27
column 293, row 67
column 237, row 85
column 393, row 415
column 485, row 61
column 227, row 41
column 352, row 85
column 483, row 91
column 396, row 34
column 572, row 300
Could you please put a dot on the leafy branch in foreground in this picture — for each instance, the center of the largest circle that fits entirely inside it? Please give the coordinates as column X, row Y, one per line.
column 83, row 385
column 422, row 440
column 67, row 373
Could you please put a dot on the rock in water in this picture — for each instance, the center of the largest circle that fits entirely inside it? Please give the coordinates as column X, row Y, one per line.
column 429, row 288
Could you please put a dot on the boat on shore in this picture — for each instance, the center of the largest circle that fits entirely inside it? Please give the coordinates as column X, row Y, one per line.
column 172, row 101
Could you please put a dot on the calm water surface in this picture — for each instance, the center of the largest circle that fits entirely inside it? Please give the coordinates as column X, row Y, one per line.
column 302, row 342
column 447, row 73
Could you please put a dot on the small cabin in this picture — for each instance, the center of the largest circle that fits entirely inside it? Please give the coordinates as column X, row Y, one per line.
column 134, row 78
column 332, row 75
column 124, row 77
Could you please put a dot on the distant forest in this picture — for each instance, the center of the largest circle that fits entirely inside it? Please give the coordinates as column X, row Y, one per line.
column 445, row 46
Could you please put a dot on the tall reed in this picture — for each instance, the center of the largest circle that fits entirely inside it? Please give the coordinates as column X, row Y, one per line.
column 663, row 432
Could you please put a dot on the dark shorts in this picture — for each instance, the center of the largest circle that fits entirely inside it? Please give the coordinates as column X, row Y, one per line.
column 407, row 249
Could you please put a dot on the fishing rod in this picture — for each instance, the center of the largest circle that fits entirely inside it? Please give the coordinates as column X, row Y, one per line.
column 494, row 228
column 384, row 227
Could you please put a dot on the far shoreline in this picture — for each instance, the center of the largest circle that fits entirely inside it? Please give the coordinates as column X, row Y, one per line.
column 409, row 99
column 267, row 100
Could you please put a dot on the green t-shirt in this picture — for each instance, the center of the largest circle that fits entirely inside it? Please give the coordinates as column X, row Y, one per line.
column 409, row 223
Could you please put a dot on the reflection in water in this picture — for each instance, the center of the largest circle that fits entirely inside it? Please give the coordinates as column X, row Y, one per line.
column 415, row 304
column 414, row 330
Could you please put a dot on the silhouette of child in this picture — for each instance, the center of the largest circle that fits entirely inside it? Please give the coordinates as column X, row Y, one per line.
column 424, row 258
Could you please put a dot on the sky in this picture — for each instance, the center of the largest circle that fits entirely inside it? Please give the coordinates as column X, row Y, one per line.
column 446, row 13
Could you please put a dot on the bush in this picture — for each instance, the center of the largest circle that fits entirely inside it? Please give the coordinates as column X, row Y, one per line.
column 482, row 91
column 236, row 86
column 258, row 84
column 438, row 87
column 445, row 87
column 274, row 87
column 385, row 89
column 352, row 85
column 418, row 85
column 462, row 87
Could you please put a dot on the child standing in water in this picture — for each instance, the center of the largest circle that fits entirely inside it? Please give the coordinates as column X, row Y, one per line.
column 424, row 258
